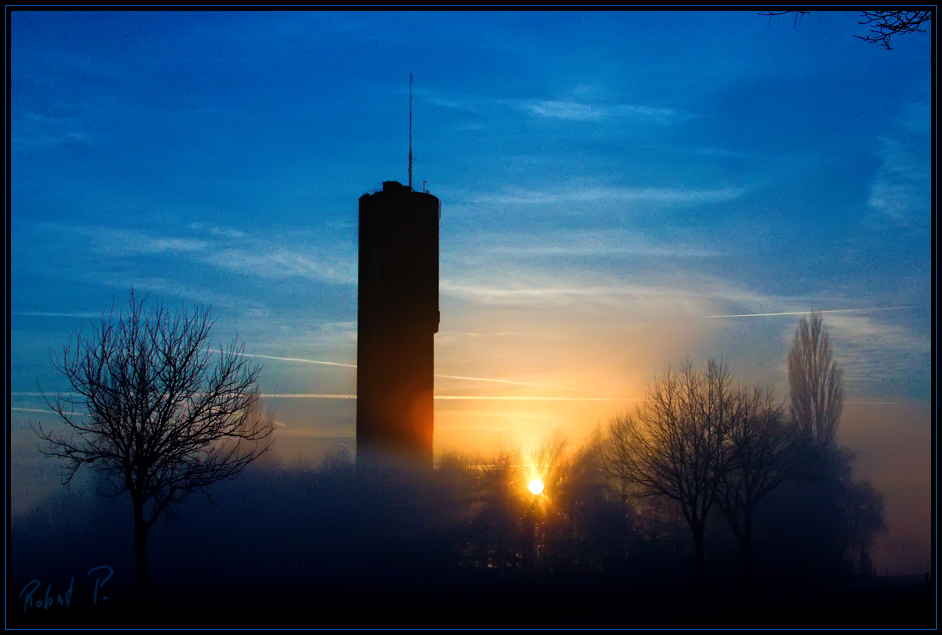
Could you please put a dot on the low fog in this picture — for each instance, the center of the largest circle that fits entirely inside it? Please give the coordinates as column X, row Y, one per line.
column 467, row 544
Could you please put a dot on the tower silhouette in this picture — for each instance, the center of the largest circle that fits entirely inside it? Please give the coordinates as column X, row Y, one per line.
column 398, row 316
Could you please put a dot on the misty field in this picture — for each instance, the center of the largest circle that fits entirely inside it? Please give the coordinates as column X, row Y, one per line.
column 462, row 547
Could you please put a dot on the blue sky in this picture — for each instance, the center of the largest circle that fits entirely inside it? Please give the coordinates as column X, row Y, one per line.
column 613, row 184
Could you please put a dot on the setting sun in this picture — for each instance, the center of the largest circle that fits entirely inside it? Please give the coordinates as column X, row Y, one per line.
column 536, row 487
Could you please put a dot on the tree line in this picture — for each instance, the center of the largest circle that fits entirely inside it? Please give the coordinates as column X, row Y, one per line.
column 160, row 417
column 703, row 441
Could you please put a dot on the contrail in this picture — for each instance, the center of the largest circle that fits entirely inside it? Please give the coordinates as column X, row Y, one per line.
column 888, row 308
column 506, row 381
column 487, row 398
column 298, row 359
column 456, row 397
column 307, row 396
column 317, row 361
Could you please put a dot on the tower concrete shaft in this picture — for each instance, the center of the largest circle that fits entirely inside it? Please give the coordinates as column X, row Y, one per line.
column 398, row 317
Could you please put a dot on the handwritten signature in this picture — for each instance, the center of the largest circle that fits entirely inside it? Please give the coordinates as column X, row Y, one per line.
column 33, row 601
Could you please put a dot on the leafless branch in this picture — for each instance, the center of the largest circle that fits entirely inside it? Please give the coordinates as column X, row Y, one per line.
column 674, row 445
column 882, row 24
column 885, row 24
column 772, row 14
column 149, row 410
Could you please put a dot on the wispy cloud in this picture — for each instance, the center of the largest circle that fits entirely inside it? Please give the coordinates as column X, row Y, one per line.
column 545, row 289
column 529, row 294
column 449, row 102
column 565, row 110
column 723, row 153
column 78, row 314
column 901, row 193
column 874, row 349
column 570, row 110
column 214, row 230
column 318, row 257
column 917, row 117
column 872, row 332
column 36, row 131
column 174, row 287
column 749, row 315
column 665, row 195
column 315, row 256
column 160, row 245
column 609, row 242
column 275, row 262
column 117, row 242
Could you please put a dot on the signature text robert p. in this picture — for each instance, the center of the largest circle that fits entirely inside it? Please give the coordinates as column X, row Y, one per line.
column 35, row 599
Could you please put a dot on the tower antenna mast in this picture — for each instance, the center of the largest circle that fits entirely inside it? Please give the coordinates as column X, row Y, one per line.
column 410, row 130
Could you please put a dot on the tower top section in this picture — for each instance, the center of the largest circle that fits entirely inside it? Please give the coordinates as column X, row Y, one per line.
column 396, row 188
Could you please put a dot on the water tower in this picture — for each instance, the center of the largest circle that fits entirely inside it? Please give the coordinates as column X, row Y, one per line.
column 398, row 317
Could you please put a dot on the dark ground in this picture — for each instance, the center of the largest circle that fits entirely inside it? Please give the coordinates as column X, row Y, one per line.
column 293, row 551
column 476, row 599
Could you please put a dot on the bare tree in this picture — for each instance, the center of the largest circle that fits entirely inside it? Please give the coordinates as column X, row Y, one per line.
column 864, row 512
column 762, row 454
column 674, row 446
column 881, row 24
column 816, row 381
column 150, row 411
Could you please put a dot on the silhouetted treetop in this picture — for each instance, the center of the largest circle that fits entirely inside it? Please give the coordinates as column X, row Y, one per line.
column 816, row 380
column 882, row 25
column 155, row 412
